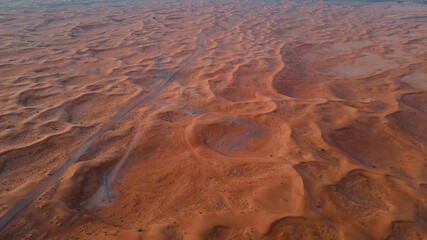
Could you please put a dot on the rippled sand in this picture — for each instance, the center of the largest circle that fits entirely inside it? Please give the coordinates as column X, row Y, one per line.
column 213, row 120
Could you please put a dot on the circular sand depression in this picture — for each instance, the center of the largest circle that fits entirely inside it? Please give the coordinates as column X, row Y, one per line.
column 227, row 135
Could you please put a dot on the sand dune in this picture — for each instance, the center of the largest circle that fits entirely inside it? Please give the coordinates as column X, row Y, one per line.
column 213, row 120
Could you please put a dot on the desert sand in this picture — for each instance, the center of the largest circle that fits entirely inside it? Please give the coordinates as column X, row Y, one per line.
column 213, row 120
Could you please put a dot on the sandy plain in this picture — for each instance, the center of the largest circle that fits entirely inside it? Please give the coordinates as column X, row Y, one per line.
column 213, row 120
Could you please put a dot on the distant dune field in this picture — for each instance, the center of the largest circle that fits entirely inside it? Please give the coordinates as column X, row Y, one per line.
column 213, row 120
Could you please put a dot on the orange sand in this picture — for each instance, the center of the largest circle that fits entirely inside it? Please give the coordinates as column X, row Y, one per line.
column 214, row 120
